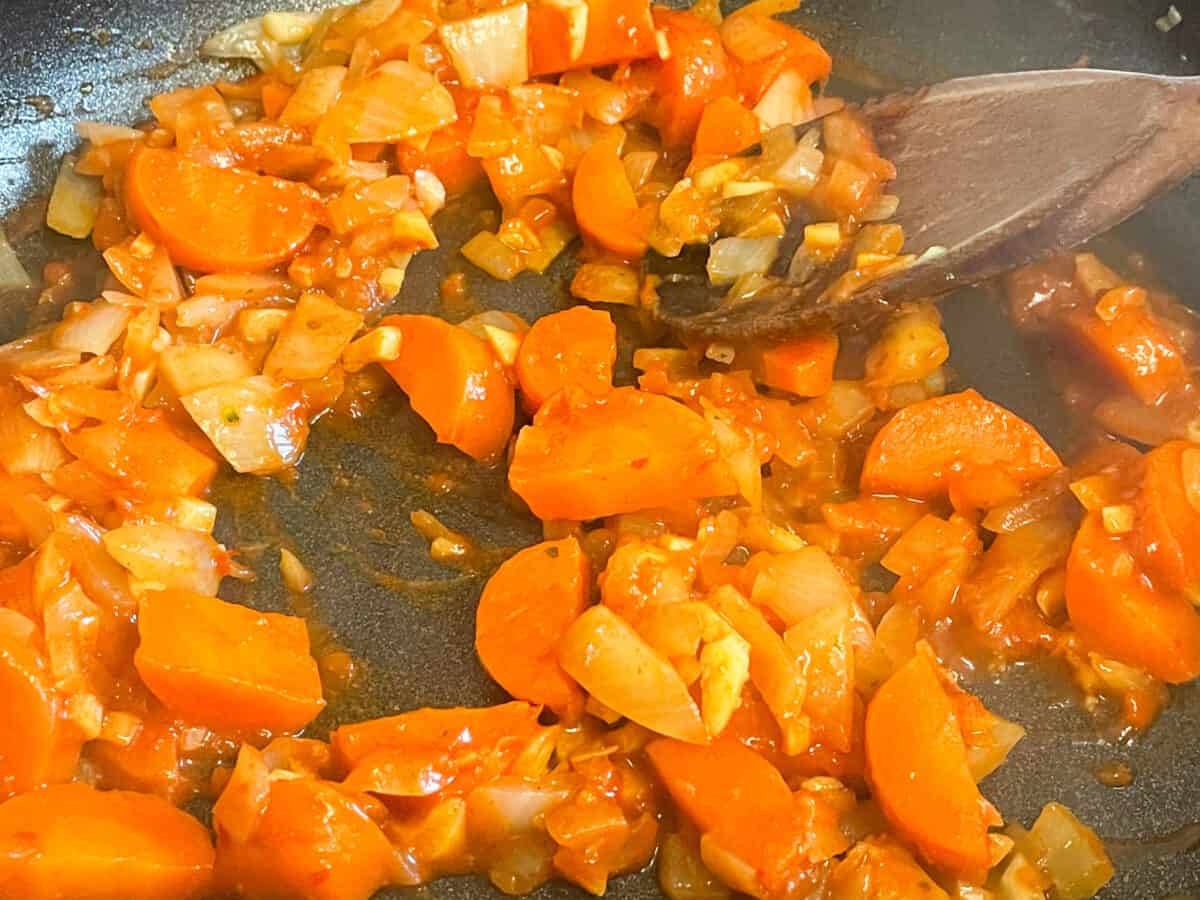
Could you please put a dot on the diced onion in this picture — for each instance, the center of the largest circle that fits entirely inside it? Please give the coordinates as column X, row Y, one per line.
column 429, row 190
column 495, row 257
column 799, row 173
column 613, row 663
column 100, row 133
column 682, row 875
column 12, row 274
column 606, row 283
column 243, row 40
column 289, row 27
column 295, row 575
column 788, row 101
column 730, row 258
column 1074, row 858
column 27, row 448
column 94, row 329
column 192, row 367
column 167, row 556
column 250, row 423
column 490, row 49
column 74, row 201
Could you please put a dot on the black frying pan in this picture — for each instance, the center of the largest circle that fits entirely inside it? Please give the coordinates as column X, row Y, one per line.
column 410, row 620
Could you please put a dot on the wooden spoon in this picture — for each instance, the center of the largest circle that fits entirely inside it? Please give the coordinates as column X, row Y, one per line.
column 997, row 169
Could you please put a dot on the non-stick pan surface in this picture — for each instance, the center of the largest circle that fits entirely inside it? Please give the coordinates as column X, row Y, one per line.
column 410, row 620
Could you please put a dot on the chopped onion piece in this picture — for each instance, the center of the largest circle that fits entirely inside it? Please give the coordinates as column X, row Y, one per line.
column 186, row 368
column 429, row 190
column 312, row 339
column 1074, row 858
column 74, row 201
column 490, row 49
column 731, row 258
column 381, row 344
column 799, row 173
column 289, row 27
column 100, row 133
column 295, row 575
column 883, row 208
column 94, row 329
column 27, row 448
column 495, row 257
column 613, row 663
column 244, row 40
column 606, row 283
column 788, row 101
column 250, row 423
column 167, row 556
column 682, row 875
column 12, row 274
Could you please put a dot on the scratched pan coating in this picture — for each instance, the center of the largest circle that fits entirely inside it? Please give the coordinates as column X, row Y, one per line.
column 410, row 620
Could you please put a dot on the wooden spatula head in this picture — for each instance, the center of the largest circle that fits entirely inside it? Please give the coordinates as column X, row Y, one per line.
column 997, row 171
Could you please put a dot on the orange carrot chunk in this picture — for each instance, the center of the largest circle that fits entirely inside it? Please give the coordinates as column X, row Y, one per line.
column 33, row 749
column 1133, row 348
column 525, row 608
column 959, row 442
column 724, row 788
column 1167, row 524
column 726, row 128
column 71, row 840
column 917, row 764
column 803, row 367
column 606, row 207
column 766, row 48
column 573, row 348
column 696, row 73
column 420, row 753
column 617, row 31
column 147, row 456
column 217, row 220
column 1116, row 611
column 455, row 383
column 225, row 665
column 585, row 457
column 311, row 842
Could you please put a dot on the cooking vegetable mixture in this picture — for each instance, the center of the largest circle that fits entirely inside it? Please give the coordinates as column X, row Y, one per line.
column 732, row 656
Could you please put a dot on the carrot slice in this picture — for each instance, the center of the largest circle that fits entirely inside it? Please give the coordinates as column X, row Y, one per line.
column 32, row 749
column 71, row 840
column 617, row 31
column 726, row 128
column 585, row 457
column 765, row 48
column 956, row 442
column 227, row 666
column 606, row 207
column 1133, row 348
column 723, row 786
column 573, row 348
column 525, row 609
column 696, row 73
column 803, row 367
column 440, row 735
column 1167, row 525
column 917, row 764
column 147, row 455
column 1115, row 609
column 217, row 220
column 311, row 842
column 455, row 383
